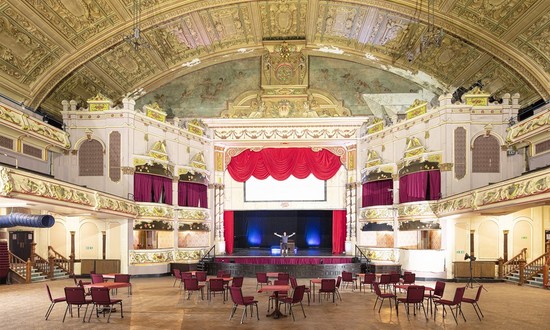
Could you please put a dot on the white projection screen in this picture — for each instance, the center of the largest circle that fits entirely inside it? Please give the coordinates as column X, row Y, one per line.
column 309, row 189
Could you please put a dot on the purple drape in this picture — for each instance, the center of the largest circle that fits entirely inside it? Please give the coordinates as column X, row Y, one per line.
column 378, row 193
column 143, row 184
column 167, row 185
column 192, row 194
column 158, row 184
column 420, row 186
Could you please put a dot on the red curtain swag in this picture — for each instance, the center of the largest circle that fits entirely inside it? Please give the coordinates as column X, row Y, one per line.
column 280, row 163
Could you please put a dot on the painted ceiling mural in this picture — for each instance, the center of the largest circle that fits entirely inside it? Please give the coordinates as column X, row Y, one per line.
column 53, row 50
column 204, row 93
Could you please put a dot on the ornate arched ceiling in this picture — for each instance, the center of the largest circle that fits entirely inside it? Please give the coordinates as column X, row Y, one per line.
column 73, row 49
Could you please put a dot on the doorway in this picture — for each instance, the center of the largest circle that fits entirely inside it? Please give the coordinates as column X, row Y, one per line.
column 21, row 243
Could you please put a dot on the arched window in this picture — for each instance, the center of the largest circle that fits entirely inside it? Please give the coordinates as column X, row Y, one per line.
column 90, row 159
column 486, row 155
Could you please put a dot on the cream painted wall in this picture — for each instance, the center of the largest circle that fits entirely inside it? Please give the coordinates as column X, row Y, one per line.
column 60, row 238
column 88, row 241
column 522, row 237
column 489, row 240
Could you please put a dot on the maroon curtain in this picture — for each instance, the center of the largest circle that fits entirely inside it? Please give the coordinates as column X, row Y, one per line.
column 167, row 185
column 182, row 193
column 420, row 186
column 377, row 193
column 143, row 184
column 203, row 193
column 229, row 230
column 434, row 178
column 280, row 163
column 158, row 184
column 338, row 231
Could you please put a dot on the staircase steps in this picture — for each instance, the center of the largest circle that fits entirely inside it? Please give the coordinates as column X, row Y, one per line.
column 59, row 274
column 536, row 281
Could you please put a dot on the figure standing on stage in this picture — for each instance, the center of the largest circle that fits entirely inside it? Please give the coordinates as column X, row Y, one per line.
column 284, row 242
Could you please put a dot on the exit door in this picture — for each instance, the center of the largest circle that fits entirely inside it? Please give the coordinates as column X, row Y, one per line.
column 21, row 243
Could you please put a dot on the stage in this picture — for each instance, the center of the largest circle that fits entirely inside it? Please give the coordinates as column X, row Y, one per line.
column 264, row 252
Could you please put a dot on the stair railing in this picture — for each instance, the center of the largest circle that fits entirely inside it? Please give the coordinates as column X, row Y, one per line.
column 545, row 269
column 533, row 268
column 57, row 259
column 512, row 265
column 362, row 257
column 41, row 264
column 17, row 265
column 207, row 254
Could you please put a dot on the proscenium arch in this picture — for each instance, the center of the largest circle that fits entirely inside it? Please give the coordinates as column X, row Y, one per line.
column 159, row 15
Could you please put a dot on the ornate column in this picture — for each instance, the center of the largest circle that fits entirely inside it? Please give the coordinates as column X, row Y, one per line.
column 219, row 197
column 351, row 216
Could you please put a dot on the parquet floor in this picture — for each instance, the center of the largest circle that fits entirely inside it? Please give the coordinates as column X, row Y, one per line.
column 155, row 304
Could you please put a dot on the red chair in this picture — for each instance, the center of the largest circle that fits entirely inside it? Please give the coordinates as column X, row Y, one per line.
column 261, row 279
column 474, row 303
column 395, row 279
column 192, row 284
column 177, row 276
column 415, row 296
column 283, row 277
column 201, row 276
column 385, row 281
column 238, row 300
column 216, row 285
column 338, row 283
column 97, row 278
column 124, row 278
column 281, row 294
column 294, row 284
column 328, row 286
column 75, row 296
column 452, row 304
column 101, row 298
column 237, row 281
column 185, row 276
column 438, row 292
column 347, row 278
column 296, row 298
column 367, row 280
column 382, row 296
column 53, row 301
column 408, row 279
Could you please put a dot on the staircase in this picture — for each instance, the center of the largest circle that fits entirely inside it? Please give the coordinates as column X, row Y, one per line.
column 21, row 270
column 207, row 259
column 537, row 281
column 59, row 273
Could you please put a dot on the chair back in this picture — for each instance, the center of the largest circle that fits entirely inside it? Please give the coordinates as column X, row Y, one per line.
column 283, row 276
column 201, row 276
column 177, row 273
column 385, row 279
column 122, row 278
column 216, row 284
column 347, row 276
column 409, row 278
column 338, row 281
column 394, row 278
column 75, row 295
column 226, row 275
column 236, row 295
column 478, row 294
column 415, row 294
column 298, row 294
column 280, row 282
column 96, row 278
column 328, row 285
column 377, row 290
column 261, row 277
column 293, row 282
column 100, row 296
column 439, row 289
column 459, row 293
column 49, row 292
column 186, row 275
column 191, row 284
column 369, row 278
column 237, row 281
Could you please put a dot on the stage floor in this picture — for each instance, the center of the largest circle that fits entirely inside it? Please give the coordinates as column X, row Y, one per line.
column 259, row 252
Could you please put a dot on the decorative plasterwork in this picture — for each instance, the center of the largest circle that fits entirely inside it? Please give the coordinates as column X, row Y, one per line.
column 381, row 254
column 377, row 214
column 27, row 186
column 188, row 255
column 529, row 128
column 274, row 134
column 476, row 97
column 193, row 214
column 155, row 211
column 154, row 225
column 416, row 210
column 416, row 109
column 150, row 257
column 25, row 125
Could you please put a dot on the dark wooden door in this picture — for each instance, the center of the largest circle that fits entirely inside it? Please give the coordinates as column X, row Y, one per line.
column 21, row 243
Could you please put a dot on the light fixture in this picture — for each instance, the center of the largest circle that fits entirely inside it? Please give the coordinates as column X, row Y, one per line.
column 431, row 37
column 135, row 39
column 467, row 256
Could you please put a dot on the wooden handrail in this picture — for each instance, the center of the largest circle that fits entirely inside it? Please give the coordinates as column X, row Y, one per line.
column 57, row 259
column 533, row 268
column 17, row 264
column 41, row 264
column 512, row 265
column 545, row 269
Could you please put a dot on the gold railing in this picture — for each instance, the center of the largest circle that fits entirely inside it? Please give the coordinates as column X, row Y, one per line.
column 57, row 259
column 20, row 267
column 512, row 265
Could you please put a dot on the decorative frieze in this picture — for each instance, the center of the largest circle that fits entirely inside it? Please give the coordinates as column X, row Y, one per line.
column 193, row 214
column 156, row 211
column 150, row 257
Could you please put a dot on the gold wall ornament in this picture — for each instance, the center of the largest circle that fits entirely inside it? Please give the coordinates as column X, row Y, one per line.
column 150, row 257
column 188, row 255
column 477, row 97
column 127, row 170
column 196, row 126
column 158, row 151
column 373, row 159
column 193, row 214
column 6, row 182
column 157, row 211
column 154, row 111
column 99, row 103
column 377, row 214
column 529, row 128
column 416, row 109
column 446, row 167
column 376, row 126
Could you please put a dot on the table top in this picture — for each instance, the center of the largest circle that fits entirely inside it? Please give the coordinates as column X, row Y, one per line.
column 274, row 288
column 406, row 286
column 272, row 274
column 318, row 280
column 110, row 285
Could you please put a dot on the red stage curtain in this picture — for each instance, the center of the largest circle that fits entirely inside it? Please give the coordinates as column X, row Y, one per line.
column 377, row 193
column 338, row 231
column 229, row 230
column 280, row 163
